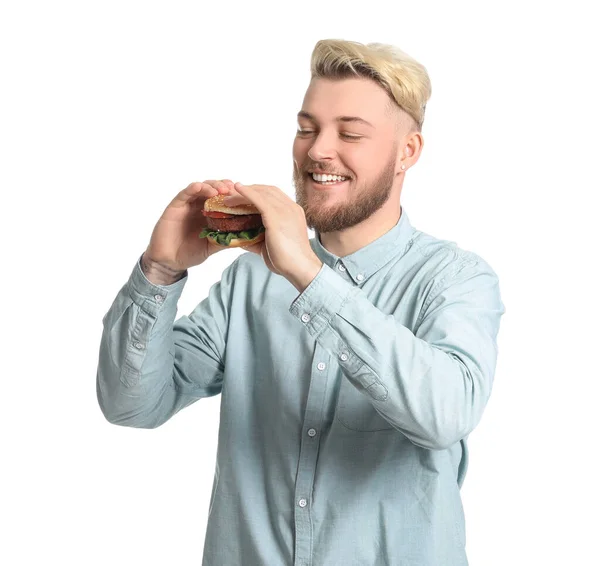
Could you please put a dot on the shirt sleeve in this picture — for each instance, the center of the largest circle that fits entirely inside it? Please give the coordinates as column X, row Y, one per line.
column 433, row 384
column 151, row 367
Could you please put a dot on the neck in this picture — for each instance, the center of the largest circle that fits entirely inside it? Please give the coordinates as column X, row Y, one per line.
column 346, row 242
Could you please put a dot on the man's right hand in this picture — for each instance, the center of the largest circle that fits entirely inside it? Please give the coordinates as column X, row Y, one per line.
column 175, row 245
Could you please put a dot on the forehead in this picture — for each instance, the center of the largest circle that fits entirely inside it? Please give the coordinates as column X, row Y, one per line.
column 325, row 99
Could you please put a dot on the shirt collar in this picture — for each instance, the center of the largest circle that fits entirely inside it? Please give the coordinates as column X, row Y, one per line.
column 363, row 263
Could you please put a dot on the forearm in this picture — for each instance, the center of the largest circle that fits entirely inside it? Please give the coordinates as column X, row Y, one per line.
column 432, row 396
column 135, row 369
column 432, row 384
column 151, row 367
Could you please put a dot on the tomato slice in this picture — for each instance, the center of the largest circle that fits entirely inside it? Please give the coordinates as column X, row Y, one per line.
column 214, row 214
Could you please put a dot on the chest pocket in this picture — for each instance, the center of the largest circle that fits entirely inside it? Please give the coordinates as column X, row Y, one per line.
column 354, row 410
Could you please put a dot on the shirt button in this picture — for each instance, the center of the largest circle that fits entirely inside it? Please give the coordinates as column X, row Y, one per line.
column 139, row 346
column 158, row 298
column 312, row 432
column 321, row 366
column 342, row 267
column 305, row 317
column 344, row 357
column 360, row 276
column 302, row 502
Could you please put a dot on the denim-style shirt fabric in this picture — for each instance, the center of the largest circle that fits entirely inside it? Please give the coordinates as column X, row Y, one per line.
column 345, row 409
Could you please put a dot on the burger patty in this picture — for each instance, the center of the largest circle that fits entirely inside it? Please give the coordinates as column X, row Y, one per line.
column 237, row 224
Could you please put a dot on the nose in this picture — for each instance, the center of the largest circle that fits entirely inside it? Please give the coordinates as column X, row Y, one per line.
column 322, row 149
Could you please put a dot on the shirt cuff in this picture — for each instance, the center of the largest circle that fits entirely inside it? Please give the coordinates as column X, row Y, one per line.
column 150, row 297
column 322, row 300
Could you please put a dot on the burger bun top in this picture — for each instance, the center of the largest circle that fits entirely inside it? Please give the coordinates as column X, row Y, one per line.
column 215, row 204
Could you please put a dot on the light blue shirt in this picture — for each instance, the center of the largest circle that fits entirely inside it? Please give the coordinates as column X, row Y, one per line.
column 345, row 409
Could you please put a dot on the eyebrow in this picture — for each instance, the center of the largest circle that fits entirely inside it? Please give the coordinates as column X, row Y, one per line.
column 303, row 114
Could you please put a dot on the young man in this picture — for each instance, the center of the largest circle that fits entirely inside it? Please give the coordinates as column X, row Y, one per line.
column 351, row 366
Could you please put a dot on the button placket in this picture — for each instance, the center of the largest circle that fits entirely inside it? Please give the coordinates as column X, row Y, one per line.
column 309, row 451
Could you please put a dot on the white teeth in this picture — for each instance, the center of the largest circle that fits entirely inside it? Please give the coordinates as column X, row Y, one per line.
column 327, row 178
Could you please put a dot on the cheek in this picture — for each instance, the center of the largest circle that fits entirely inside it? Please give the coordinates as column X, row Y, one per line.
column 299, row 148
column 365, row 162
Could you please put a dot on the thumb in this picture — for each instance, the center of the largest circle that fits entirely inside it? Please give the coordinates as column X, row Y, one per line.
column 255, row 248
column 261, row 250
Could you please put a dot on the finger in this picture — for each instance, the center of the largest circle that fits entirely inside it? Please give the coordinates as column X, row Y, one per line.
column 251, row 195
column 229, row 183
column 219, row 186
column 269, row 192
column 270, row 201
column 235, row 199
column 192, row 192
column 222, row 187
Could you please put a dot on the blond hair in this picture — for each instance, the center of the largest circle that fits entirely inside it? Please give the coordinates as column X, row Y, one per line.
column 404, row 79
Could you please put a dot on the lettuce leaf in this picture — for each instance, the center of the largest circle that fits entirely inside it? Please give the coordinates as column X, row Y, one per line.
column 224, row 238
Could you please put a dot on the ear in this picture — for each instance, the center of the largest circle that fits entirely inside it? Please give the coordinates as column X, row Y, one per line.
column 411, row 149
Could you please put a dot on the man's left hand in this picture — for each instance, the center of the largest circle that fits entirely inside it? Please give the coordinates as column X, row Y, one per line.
column 286, row 248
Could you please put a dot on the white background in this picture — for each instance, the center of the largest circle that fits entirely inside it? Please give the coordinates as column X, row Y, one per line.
column 109, row 108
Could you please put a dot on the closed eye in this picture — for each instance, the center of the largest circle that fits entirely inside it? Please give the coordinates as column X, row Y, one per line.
column 346, row 136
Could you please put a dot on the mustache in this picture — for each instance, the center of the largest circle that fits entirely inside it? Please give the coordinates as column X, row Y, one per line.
column 327, row 169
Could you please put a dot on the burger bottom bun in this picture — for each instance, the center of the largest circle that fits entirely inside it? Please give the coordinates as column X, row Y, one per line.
column 239, row 242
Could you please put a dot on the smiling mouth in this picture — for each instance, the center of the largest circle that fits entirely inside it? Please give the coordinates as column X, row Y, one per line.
column 325, row 184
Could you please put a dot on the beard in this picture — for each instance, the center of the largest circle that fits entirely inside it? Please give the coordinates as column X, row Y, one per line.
column 362, row 202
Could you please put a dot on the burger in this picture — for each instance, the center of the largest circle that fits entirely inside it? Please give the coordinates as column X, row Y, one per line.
column 232, row 226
